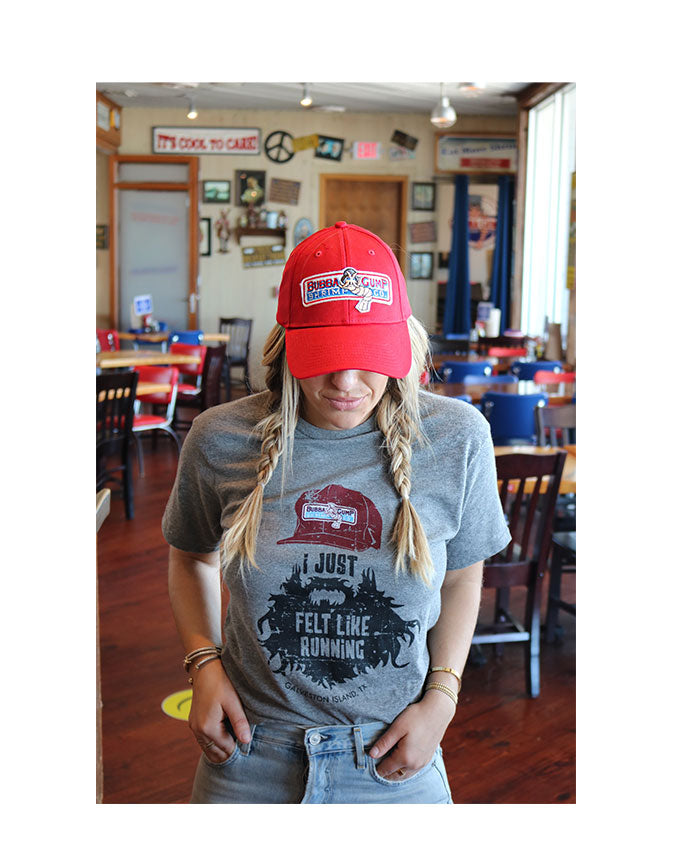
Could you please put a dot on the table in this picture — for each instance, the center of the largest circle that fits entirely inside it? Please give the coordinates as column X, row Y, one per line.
column 569, row 468
column 141, row 358
column 143, row 388
column 163, row 337
column 557, row 394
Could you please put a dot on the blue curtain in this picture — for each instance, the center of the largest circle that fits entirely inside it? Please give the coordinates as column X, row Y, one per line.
column 457, row 312
column 502, row 256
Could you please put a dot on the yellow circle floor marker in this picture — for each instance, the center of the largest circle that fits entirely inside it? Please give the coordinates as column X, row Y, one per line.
column 177, row 705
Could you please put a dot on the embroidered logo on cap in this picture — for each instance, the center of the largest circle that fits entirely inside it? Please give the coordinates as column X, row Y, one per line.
column 347, row 283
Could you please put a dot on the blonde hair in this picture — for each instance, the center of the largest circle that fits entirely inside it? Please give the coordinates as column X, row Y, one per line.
column 397, row 417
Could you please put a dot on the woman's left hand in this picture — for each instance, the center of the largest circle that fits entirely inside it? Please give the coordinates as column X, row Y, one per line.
column 414, row 735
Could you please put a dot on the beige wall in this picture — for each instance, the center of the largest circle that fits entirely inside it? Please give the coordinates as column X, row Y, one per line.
column 102, row 256
column 229, row 290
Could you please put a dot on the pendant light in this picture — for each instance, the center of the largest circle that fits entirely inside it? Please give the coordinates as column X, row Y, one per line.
column 443, row 114
column 192, row 111
column 306, row 99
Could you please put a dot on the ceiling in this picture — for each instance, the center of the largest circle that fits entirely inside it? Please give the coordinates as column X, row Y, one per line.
column 495, row 99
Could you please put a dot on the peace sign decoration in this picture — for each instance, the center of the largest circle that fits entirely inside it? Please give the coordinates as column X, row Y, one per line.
column 279, row 146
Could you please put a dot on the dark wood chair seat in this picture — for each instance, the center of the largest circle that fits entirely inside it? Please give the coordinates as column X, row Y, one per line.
column 563, row 561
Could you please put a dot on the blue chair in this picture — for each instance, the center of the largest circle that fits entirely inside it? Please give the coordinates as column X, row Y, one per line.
column 511, row 416
column 454, row 372
column 194, row 338
column 525, row 370
column 464, row 398
column 506, row 379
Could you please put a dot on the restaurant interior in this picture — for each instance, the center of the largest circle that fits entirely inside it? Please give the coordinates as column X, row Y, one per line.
column 202, row 191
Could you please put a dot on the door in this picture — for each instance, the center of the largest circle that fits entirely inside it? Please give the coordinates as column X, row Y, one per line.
column 154, row 238
column 377, row 203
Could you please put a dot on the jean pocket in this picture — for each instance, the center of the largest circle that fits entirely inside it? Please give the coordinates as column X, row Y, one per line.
column 231, row 759
column 400, row 781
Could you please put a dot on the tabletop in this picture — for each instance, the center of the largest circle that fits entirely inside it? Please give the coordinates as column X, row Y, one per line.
column 162, row 337
column 569, row 468
column 557, row 394
column 141, row 358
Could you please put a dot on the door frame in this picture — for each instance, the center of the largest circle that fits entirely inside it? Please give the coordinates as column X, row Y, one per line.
column 191, row 187
column 398, row 249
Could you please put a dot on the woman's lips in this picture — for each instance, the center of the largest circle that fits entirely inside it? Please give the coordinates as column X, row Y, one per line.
column 344, row 404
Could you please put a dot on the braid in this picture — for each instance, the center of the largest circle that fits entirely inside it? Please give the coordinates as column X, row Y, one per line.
column 408, row 534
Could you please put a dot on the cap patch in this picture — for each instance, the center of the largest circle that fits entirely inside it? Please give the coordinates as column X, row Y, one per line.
column 347, row 283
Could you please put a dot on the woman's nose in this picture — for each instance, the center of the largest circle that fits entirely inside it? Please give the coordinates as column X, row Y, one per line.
column 345, row 379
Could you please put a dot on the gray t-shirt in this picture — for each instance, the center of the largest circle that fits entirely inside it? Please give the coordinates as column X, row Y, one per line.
column 324, row 632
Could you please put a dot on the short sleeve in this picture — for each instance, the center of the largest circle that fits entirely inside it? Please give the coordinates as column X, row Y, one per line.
column 483, row 528
column 192, row 517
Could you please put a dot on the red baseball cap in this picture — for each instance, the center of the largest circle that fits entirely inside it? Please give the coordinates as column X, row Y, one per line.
column 344, row 305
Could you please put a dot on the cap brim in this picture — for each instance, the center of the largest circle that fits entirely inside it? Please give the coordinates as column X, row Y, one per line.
column 377, row 348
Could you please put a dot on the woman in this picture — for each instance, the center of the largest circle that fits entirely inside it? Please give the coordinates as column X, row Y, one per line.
column 350, row 514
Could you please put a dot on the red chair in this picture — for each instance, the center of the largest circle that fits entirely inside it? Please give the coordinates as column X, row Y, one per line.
column 193, row 371
column 549, row 377
column 109, row 340
column 507, row 352
column 156, row 422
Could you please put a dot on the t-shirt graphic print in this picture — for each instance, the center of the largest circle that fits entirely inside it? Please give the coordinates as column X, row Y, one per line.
column 330, row 621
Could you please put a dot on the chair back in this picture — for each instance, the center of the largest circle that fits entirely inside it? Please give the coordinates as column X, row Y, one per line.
column 109, row 340
column 547, row 377
column 507, row 352
column 525, row 370
column 161, row 375
column 555, row 425
column 192, row 337
column 504, row 379
column 454, row 372
column 511, row 416
column 528, row 487
column 115, row 395
column 190, row 349
column 211, row 376
column 237, row 348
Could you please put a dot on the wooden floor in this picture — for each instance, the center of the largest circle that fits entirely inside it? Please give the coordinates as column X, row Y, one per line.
column 501, row 748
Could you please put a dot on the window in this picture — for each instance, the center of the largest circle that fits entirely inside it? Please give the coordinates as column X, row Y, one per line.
column 549, row 169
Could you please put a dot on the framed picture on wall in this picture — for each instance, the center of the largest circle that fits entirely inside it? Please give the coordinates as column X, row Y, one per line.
column 422, row 264
column 216, row 190
column 250, row 186
column 205, row 236
column 423, row 196
column 331, row 148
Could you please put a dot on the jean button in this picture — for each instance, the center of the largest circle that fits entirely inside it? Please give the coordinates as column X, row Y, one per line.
column 314, row 739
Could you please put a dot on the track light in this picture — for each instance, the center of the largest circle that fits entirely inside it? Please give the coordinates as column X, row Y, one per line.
column 306, row 99
column 471, row 89
column 443, row 114
column 192, row 111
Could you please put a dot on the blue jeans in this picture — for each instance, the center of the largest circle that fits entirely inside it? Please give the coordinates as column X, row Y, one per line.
column 285, row 764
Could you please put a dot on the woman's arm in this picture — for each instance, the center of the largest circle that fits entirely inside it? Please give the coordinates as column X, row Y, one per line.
column 195, row 595
column 416, row 732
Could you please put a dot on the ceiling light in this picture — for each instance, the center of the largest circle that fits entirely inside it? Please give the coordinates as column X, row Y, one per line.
column 192, row 111
column 471, row 89
column 307, row 99
column 443, row 114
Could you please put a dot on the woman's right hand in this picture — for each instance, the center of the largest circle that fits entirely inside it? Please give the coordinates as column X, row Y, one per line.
column 214, row 700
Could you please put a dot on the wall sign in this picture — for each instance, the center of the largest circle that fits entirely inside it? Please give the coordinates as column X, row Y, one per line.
column 422, row 233
column 330, row 148
column 458, row 154
column 403, row 140
column 284, row 191
column 366, row 150
column 263, row 256
column 204, row 140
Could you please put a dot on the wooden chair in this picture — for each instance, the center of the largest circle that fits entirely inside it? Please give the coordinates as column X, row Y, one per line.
column 551, row 377
column 563, row 561
column 523, row 563
column 555, row 425
column 115, row 396
column 236, row 351
column 210, row 390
